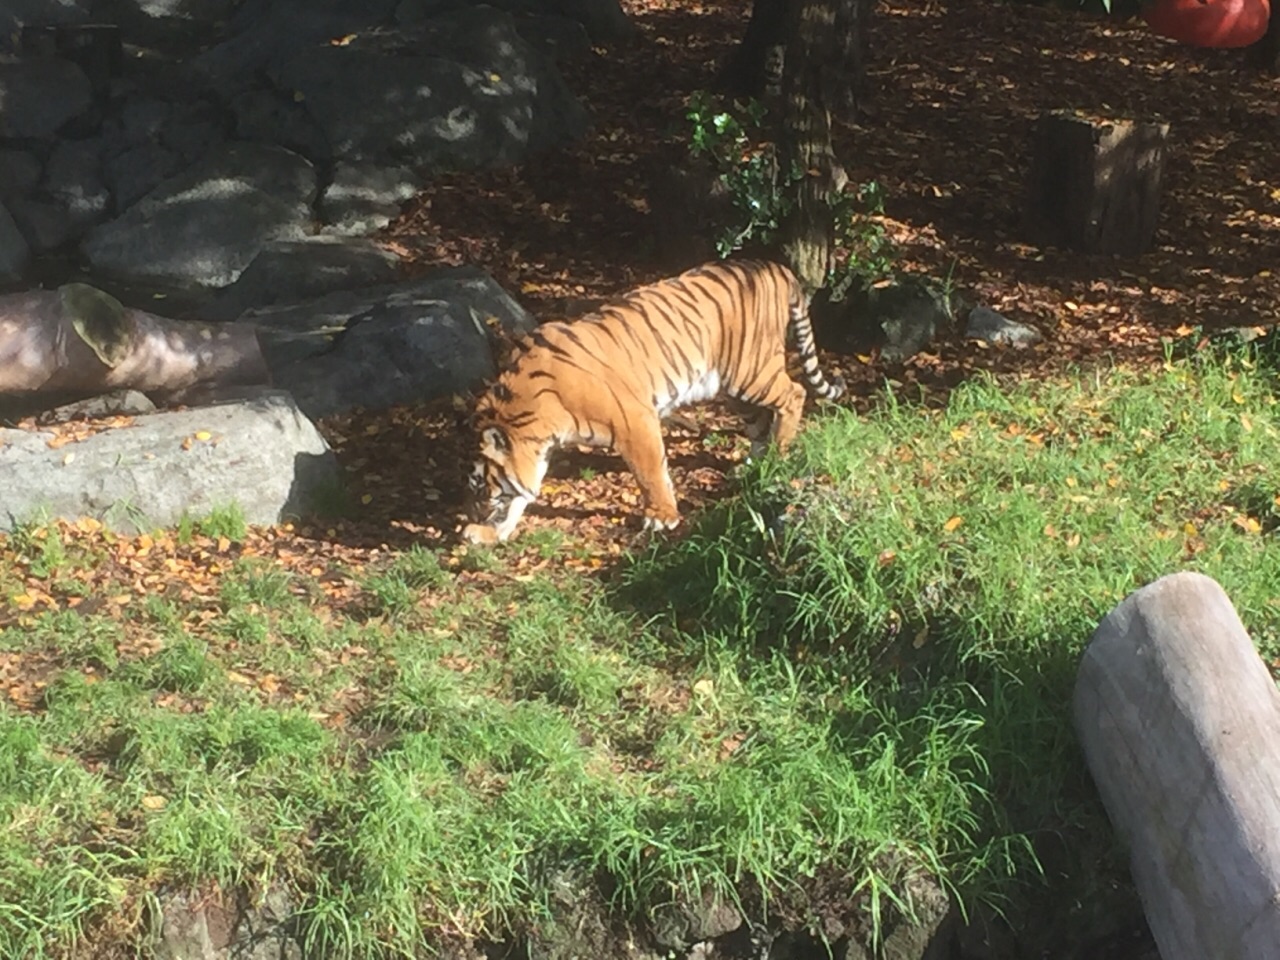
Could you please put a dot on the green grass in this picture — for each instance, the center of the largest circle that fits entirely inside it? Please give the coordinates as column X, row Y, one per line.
column 859, row 666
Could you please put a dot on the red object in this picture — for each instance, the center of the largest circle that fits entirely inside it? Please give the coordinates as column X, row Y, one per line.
column 1209, row 23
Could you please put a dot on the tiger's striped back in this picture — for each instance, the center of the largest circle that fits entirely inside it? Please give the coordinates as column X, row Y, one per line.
column 608, row 378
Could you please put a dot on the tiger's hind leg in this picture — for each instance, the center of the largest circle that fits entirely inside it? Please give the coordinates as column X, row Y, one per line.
column 781, row 401
column 646, row 455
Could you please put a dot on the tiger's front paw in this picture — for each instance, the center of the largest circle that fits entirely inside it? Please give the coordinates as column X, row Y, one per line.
column 652, row 522
column 481, row 533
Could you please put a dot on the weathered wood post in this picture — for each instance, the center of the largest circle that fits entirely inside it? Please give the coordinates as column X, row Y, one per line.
column 1095, row 182
column 1179, row 720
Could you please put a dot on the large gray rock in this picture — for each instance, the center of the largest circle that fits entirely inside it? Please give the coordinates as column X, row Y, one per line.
column 39, row 95
column 201, row 11
column 927, row 935
column 174, row 25
column 14, row 14
column 287, row 271
column 194, row 130
column 136, row 171
column 45, row 225
column 204, row 927
column 19, row 173
column 362, row 198
column 680, row 925
column 272, row 31
column 387, row 345
column 486, row 97
column 271, row 116
column 261, row 454
column 73, row 179
column 603, row 20
column 204, row 225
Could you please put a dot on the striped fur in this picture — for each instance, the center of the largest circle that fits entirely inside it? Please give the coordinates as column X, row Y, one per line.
column 607, row 379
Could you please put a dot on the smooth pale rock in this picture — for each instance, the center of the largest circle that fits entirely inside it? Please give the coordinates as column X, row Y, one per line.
column 986, row 324
column 260, row 453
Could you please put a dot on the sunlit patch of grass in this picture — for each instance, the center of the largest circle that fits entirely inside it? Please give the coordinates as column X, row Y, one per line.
column 968, row 553
column 225, row 522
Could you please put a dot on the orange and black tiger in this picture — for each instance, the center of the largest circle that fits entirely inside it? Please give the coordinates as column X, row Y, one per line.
column 608, row 379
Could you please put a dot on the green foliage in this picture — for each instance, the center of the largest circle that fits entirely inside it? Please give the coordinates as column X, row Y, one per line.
column 227, row 521
column 734, row 140
column 970, row 552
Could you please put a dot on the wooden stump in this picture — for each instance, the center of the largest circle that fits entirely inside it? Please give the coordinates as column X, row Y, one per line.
column 1095, row 182
column 1179, row 720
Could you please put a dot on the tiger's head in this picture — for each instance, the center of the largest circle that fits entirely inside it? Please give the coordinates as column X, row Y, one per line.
column 504, row 479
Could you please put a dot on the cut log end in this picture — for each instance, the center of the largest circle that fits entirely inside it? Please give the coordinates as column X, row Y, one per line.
column 1179, row 721
column 1095, row 182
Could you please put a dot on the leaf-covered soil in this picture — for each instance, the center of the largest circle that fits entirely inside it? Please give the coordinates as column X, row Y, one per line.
column 955, row 90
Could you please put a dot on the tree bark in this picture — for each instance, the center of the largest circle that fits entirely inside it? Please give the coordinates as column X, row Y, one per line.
column 849, row 75
column 1095, row 182
column 748, row 71
column 804, row 139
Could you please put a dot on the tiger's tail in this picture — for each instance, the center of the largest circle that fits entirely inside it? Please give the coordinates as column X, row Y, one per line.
column 822, row 388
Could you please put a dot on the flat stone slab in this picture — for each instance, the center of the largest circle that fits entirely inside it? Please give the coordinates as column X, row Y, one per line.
column 259, row 453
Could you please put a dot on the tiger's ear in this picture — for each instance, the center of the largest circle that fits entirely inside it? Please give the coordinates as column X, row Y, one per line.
column 494, row 440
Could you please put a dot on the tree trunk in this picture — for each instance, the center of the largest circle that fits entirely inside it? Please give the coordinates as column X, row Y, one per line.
column 849, row 75
column 1095, row 182
column 804, row 139
column 746, row 73
column 755, row 64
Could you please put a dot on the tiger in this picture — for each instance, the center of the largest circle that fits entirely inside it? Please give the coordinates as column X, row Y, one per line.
column 607, row 379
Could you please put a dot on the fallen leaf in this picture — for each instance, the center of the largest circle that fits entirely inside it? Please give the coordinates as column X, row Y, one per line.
column 1248, row 524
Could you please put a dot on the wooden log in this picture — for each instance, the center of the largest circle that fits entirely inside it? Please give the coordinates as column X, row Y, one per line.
column 78, row 340
column 1179, row 721
column 1095, row 182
